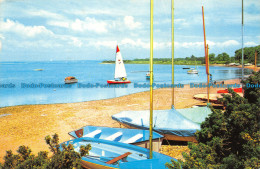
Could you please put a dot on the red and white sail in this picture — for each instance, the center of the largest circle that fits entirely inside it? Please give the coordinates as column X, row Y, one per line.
column 119, row 66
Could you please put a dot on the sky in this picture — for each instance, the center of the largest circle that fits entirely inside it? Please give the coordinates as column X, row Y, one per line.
column 47, row 30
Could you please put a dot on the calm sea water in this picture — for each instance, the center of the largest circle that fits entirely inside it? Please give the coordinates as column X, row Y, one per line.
column 92, row 77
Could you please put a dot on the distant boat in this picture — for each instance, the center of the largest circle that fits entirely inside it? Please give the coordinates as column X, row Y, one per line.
column 38, row 69
column 148, row 75
column 106, row 154
column 192, row 71
column 70, row 79
column 120, row 72
column 131, row 136
column 248, row 64
column 186, row 68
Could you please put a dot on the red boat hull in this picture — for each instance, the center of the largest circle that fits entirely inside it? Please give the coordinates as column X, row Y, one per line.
column 118, row 82
column 237, row 90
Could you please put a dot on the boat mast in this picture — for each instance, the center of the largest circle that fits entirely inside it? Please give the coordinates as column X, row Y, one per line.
column 206, row 47
column 172, row 9
column 151, row 81
column 242, row 40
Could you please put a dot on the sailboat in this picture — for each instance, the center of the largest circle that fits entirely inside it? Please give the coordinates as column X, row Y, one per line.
column 193, row 70
column 120, row 72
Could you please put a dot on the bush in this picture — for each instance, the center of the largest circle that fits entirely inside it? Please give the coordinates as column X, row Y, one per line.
column 65, row 158
column 228, row 139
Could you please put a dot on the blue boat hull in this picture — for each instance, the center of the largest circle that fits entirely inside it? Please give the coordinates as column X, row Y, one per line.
column 139, row 137
column 103, row 151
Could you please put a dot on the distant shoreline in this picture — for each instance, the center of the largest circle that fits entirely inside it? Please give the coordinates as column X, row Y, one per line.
column 252, row 67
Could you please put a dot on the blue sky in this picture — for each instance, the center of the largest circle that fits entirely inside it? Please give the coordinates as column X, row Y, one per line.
column 35, row 30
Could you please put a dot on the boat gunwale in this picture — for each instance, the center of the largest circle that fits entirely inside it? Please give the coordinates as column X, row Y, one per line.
column 159, row 135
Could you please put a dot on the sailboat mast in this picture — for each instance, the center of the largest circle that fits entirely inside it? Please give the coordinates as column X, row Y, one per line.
column 151, row 81
column 172, row 9
column 206, row 48
column 242, row 40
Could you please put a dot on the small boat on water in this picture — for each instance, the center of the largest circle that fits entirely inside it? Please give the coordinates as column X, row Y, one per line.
column 186, row 68
column 38, row 69
column 106, row 154
column 120, row 72
column 70, row 79
column 148, row 75
column 131, row 136
column 192, row 71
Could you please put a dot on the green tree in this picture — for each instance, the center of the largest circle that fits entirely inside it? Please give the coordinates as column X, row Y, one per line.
column 249, row 54
column 193, row 58
column 211, row 57
column 228, row 139
column 226, row 57
column 63, row 157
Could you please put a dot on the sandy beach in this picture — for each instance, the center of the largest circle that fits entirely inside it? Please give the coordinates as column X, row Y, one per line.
column 29, row 124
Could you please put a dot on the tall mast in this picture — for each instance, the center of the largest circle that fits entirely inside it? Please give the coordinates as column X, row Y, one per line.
column 172, row 53
column 242, row 40
column 151, row 81
column 206, row 48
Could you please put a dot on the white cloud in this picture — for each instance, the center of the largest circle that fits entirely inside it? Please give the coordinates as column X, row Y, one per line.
column 130, row 23
column 224, row 44
column 250, row 44
column 29, row 31
column 136, row 43
column 188, row 44
column 211, row 44
column 63, row 24
column 98, row 44
column 181, row 22
column 76, row 42
column 145, row 45
column 89, row 24
column 46, row 14
column 1, row 37
column 89, row 11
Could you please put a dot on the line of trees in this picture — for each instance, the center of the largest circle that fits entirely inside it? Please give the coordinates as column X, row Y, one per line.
column 249, row 54
column 223, row 58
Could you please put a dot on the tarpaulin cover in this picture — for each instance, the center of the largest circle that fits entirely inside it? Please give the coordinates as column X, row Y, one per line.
column 197, row 114
column 164, row 121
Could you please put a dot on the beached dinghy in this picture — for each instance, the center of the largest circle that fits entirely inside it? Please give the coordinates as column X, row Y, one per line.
column 171, row 123
column 106, row 154
column 131, row 136
column 120, row 73
column 237, row 90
